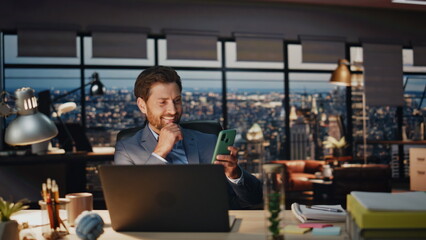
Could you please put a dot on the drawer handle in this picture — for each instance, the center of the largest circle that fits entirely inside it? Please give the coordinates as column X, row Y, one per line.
column 421, row 172
column 420, row 159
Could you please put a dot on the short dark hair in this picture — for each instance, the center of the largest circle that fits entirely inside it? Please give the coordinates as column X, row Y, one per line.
column 153, row 75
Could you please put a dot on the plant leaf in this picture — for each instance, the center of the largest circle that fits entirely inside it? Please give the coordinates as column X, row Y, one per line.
column 9, row 208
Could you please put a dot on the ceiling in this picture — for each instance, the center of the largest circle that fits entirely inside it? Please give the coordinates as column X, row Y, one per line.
column 382, row 4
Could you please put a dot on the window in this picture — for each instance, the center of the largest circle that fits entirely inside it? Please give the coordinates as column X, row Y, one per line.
column 255, row 108
column 295, row 60
column 318, row 110
column 48, row 83
column 414, row 118
column 202, row 95
column 113, row 111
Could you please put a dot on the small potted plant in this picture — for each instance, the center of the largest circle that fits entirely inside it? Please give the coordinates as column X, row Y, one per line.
column 9, row 229
column 338, row 146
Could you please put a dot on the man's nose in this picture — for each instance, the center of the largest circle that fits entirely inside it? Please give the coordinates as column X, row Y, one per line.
column 171, row 108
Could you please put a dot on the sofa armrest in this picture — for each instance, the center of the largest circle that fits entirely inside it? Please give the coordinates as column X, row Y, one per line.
column 313, row 166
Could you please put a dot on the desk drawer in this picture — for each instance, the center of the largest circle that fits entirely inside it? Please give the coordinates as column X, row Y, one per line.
column 418, row 178
column 417, row 156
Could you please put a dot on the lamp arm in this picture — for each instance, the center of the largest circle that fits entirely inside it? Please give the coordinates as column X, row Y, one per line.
column 72, row 91
column 64, row 126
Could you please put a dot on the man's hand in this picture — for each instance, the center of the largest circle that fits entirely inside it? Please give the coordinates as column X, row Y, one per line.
column 168, row 137
column 230, row 162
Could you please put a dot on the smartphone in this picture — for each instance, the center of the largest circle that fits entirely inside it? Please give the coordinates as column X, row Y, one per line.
column 224, row 140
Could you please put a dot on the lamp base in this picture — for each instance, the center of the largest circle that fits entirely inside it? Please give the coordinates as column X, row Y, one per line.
column 40, row 148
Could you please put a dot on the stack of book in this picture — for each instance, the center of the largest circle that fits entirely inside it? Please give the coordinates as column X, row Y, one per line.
column 373, row 215
column 318, row 213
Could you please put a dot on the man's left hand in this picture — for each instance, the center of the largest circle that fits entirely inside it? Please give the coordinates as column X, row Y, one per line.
column 230, row 163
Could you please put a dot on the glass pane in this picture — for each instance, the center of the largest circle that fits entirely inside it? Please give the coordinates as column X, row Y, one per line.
column 415, row 107
column 162, row 58
column 357, row 59
column 11, row 54
column 202, row 95
column 295, row 60
column 380, row 124
column 58, row 82
column 318, row 110
column 408, row 60
column 231, row 60
column 106, row 115
column 117, row 109
column 89, row 60
column 256, row 110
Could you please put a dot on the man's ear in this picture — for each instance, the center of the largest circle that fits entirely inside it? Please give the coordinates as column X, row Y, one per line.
column 141, row 105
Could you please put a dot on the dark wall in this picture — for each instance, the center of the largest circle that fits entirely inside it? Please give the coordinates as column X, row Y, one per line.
column 288, row 19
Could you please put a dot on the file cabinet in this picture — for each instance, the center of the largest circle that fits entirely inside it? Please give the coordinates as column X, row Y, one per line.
column 418, row 169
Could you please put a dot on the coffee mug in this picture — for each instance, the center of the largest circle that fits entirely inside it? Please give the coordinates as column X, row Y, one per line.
column 79, row 202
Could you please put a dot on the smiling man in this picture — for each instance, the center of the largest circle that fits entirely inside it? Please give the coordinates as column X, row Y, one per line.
column 162, row 141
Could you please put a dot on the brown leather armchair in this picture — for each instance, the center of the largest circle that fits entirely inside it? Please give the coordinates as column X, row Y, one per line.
column 297, row 173
column 296, row 185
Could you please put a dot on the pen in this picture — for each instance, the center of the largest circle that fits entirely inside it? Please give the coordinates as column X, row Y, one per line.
column 324, row 209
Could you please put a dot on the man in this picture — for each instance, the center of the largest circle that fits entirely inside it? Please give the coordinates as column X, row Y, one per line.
column 163, row 141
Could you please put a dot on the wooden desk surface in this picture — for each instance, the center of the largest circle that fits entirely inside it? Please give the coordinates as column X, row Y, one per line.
column 249, row 225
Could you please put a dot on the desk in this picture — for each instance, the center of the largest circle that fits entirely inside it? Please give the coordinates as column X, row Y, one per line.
column 323, row 191
column 72, row 172
column 249, row 225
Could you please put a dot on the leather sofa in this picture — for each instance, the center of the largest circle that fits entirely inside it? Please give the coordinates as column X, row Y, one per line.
column 297, row 173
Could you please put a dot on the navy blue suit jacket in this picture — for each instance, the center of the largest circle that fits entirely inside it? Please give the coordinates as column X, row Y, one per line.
column 199, row 147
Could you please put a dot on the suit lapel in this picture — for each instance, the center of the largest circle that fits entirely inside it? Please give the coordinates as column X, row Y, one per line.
column 191, row 147
column 148, row 140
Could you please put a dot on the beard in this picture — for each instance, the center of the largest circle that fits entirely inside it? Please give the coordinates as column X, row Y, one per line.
column 158, row 122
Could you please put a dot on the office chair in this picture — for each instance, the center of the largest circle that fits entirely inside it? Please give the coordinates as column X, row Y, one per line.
column 204, row 126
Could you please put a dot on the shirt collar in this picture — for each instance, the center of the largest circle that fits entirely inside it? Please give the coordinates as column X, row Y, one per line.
column 153, row 133
column 156, row 136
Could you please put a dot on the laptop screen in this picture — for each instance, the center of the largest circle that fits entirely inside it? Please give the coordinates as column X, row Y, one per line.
column 169, row 198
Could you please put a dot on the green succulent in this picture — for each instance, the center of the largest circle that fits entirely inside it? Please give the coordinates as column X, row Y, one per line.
column 7, row 209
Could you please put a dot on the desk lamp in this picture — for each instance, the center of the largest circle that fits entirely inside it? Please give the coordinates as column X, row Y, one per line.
column 342, row 76
column 30, row 126
column 96, row 88
column 64, row 108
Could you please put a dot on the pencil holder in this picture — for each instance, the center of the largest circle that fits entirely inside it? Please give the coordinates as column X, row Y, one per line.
column 274, row 199
column 54, row 219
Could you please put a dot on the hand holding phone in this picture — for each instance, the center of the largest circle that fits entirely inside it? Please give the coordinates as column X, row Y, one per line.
column 224, row 140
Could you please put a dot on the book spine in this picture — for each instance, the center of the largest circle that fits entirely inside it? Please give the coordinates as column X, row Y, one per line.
column 356, row 233
column 368, row 219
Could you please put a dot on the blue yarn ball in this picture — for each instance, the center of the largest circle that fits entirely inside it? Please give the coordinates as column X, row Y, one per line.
column 89, row 225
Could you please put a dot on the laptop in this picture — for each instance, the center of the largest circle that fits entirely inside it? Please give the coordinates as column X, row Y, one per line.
column 166, row 198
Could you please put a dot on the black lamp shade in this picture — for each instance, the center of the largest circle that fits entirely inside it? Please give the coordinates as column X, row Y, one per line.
column 97, row 88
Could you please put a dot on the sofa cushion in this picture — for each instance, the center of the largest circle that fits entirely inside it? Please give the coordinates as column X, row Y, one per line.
column 300, row 181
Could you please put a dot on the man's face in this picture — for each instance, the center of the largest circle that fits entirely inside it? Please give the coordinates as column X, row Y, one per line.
column 163, row 106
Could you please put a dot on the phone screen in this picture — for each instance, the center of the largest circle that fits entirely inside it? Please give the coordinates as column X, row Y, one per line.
column 224, row 140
